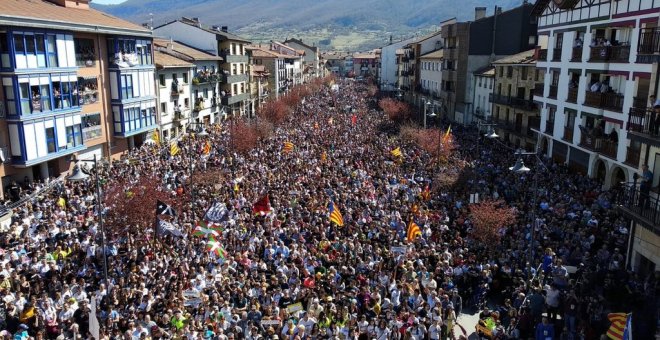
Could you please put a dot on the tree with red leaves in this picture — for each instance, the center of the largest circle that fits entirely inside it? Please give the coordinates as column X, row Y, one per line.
column 244, row 136
column 131, row 206
column 275, row 111
column 488, row 218
column 396, row 110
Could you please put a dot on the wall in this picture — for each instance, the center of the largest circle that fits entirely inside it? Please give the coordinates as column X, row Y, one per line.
column 192, row 36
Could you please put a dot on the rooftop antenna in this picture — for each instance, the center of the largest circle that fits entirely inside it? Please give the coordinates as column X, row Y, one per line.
column 151, row 21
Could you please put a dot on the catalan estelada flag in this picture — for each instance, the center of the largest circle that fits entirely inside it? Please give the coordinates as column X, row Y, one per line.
column 214, row 247
column 174, row 149
column 288, row 147
column 396, row 152
column 335, row 215
column 415, row 209
column 621, row 327
column 413, row 231
column 207, row 148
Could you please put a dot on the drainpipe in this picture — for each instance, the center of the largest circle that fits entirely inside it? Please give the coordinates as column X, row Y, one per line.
column 108, row 136
column 492, row 49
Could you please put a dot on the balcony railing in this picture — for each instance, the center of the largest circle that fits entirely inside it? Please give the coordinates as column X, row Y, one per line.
column 92, row 132
column 499, row 99
column 577, row 53
column 649, row 41
column 556, row 54
column 602, row 145
column 553, row 91
column 568, row 133
column 572, row 95
column 543, row 55
column 550, row 127
column 538, row 90
column 609, row 53
column 88, row 97
column 642, row 120
column 642, row 206
column 608, row 101
column 632, row 157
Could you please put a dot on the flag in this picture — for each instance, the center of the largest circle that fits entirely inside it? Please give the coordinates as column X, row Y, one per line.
column 324, row 156
column 94, row 327
column 288, row 147
column 621, row 326
column 207, row 148
column 354, row 119
column 204, row 229
column 217, row 213
column 61, row 202
column 156, row 137
column 396, row 152
column 167, row 228
column 413, row 231
column 214, row 247
column 262, row 206
column 335, row 215
column 174, row 149
column 164, row 209
column 426, row 194
column 415, row 209
column 447, row 134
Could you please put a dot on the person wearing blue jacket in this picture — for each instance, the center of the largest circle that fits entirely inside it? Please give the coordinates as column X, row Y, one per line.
column 545, row 330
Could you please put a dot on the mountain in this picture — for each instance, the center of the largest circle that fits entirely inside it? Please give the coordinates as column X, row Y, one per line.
column 336, row 24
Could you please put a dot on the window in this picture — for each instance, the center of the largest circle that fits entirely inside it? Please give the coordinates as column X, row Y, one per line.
column 19, row 44
column 163, row 109
column 186, row 102
column 570, row 118
column 490, row 84
column 235, row 89
column 185, row 78
column 85, row 52
column 26, row 98
column 509, row 71
column 126, row 86
column 479, row 81
column 88, row 90
column 130, row 52
column 50, row 140
column 233, row 49
column 4, row 51
column 73, row 136
column 206, row 93
column 161, row 80
column 52, row 51
column 523, row 75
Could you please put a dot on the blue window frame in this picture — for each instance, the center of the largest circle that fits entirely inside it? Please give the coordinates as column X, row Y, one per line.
column 73, row 136
column 50, row 140
column 130, row 50
column 5, row 62
column 126, row 86
column 40, row 46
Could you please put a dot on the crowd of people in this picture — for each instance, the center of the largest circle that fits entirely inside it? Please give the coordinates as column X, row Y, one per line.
column 293, row 274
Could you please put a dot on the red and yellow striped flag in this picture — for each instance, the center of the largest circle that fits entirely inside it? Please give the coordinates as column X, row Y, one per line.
column 413, row 231
column 288, row 147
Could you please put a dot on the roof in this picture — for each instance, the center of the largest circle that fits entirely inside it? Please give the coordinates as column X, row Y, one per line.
column 486, row 71
column 301, row 43
column 299, row 52
column 184, row 51
column 521, row 58
column 164, row 60
column 428, row 36
column 45, row 14
column 260, row 52
column 226, row 35
column 539, row 7
column 365, row 56
column 437, row 54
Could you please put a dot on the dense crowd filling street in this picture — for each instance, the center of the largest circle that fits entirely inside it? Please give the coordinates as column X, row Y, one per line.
column 321, row 232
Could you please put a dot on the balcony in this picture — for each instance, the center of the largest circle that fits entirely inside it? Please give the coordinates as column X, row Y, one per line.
column 206, row 77
column 550, row 127
column 538, row 89
column 543, row 55
column 499, row 99
column 616, row 54
column 602, row 145
column 576, row 55
column 632, row 157
column 642, row 207
column 230, row 100
column 92, row 132
column 640, row 120
column 522, row 103
column 649, row 41
column 608, row 101
column 88, row 97
column 176, row 90
column 556, row 54
column 568, row 134
column 553, row 92
column 235, row 78
column 572, row 95
column 234, row 58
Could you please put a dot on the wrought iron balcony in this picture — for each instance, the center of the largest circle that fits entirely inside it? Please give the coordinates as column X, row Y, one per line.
column 608, row 100
column 649, row 41
column 632, row 157
column 602, row 145
column 577, row 53
column 550, row 127
column 609, row 53
column 642, row 206
column 553, row 91
column 572, row 95
column 642, row 120
column 568, row 134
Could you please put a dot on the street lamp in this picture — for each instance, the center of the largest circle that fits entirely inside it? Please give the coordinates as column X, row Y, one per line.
column 78, row 176
column 191, row 152
column 426, row 105
column 520, row 168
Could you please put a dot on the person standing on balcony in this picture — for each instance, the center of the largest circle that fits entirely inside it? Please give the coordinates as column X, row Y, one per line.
column 653, row 101
column 655, row 120
column 645, row 186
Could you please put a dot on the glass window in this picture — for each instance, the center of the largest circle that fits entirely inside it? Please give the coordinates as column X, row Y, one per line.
column 29, row 44
column 52, row 51
column 24, row 90
column 50, row 140
column 185, row 78
column 19, row 45
column 161, row 79
column 85, row 52
column 126, row 86
column 73, row 136
column 4, row 51
column 40, row 44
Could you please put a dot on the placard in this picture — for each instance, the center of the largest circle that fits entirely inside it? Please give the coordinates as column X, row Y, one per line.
column 270, row 322
column 292, row 308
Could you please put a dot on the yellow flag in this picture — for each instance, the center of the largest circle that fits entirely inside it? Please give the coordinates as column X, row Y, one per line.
column 174, row 149
column 396, row 152
column 156, row 137
column 61, row 202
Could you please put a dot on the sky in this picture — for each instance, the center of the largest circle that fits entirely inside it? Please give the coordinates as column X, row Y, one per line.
column 108, row 2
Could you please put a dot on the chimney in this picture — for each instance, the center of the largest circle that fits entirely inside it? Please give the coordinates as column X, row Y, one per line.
column 79, row 4
column 498, row 10
column 479, row 13
column 224, row 29
column 216, row 28
column 170, row 45
column 195, row 20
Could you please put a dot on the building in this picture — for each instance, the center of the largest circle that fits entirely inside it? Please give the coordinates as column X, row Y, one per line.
column 174, row 85
column 470, row 46
column 410, row 65
column 293, row 62
column 311, row 60
column 76, row 83
column 513, row 107
column 259, row 86
column 388, row 75
column 600, row 61
column 430, row 76
column 335, row 63
column 216, row 40
column 202, row 106
column 366, row 64
column 484, row 81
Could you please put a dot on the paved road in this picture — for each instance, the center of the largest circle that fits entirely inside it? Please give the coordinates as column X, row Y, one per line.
column 468, row 319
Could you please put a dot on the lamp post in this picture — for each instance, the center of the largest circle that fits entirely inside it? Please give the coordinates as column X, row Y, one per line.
column 426, row 105
column 77, row 176
column 520, row 168
column 202, row 134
